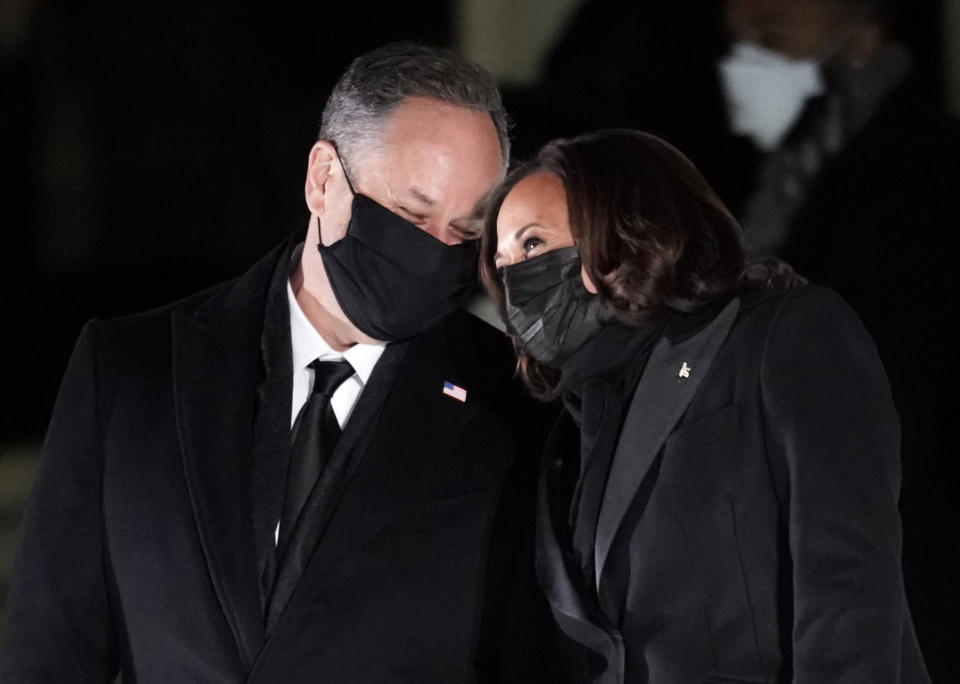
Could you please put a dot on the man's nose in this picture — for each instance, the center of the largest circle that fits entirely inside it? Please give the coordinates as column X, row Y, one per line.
column 441, row 231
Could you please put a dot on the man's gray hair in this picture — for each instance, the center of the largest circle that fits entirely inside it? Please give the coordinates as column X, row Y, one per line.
column 379, row 80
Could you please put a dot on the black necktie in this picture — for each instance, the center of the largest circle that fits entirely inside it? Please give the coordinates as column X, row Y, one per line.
column 315, row 431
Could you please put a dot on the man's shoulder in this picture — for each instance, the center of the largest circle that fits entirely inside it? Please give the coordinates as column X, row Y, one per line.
column 151, row 324
column 189, row 304
column 239, row 297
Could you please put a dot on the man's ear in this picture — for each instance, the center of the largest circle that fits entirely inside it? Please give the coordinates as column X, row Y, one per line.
column 319, row 163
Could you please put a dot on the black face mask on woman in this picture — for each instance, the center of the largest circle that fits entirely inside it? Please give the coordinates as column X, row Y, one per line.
column 392, row 279
column 548, row 308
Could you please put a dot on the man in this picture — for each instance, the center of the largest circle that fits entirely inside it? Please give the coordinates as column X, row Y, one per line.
column 315, row 472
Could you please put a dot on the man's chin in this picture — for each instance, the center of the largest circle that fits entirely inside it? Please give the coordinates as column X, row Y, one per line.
column 363, row 338
column 346, row 334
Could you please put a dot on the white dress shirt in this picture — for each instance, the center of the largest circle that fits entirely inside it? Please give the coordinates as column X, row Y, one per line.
column 308, row 345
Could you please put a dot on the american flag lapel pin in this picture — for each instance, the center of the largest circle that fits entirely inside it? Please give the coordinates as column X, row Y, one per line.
column 454, row 391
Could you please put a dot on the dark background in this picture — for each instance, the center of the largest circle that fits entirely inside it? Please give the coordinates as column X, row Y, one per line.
column 152, row 149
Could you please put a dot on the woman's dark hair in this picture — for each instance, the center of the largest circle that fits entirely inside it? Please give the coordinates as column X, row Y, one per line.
column 652, row 234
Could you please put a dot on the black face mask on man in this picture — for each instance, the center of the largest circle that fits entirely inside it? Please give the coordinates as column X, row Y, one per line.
column 548, row 308
column 392, row 279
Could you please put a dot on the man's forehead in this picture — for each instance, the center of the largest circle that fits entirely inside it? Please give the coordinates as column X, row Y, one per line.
column 434, row 153
column 797, row 28
column 438, row 121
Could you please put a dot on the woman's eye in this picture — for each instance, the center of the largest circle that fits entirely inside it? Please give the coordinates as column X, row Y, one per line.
column 530, row 244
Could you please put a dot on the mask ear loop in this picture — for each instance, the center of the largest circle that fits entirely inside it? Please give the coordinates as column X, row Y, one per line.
column 344, row 167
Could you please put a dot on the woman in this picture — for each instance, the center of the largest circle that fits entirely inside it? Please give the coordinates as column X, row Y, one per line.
column 719, row 497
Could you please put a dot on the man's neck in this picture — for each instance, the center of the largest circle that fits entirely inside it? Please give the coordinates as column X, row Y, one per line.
column 336, row 333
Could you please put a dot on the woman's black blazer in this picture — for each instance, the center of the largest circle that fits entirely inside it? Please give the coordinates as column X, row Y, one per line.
column 746, row 529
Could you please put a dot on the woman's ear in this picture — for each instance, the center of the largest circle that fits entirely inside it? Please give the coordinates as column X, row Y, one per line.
column 319, row 163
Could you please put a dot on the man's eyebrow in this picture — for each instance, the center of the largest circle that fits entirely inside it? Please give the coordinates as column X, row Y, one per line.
column 425, row 199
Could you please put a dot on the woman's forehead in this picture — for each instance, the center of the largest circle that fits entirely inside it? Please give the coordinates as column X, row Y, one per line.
column 538, row 198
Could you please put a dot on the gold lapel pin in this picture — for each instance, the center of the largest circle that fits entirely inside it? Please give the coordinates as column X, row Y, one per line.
column 684, row 371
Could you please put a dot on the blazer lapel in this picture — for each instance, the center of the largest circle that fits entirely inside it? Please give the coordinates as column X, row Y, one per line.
column 216, row 365
column 598, row 439
column 557, row 571
column 668, row 384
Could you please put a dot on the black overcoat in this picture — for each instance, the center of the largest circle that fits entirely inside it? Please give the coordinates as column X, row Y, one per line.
column 140, row 540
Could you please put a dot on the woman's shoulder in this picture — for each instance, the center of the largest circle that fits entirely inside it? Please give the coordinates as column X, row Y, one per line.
column 811, row 302
column 804, row 319
column 761, row 310
column 806, row 322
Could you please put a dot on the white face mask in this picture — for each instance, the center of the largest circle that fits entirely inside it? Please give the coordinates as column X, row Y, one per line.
column 766, row 91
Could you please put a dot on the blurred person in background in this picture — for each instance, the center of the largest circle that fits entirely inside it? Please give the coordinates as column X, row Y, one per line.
column 806, row 81
column 718, row 501
column 316, row 471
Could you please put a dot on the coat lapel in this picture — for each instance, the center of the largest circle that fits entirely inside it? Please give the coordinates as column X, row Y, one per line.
column 668, row 384
column 402, row 425
column 330, row 487
column 271, row 439
column 216, row 365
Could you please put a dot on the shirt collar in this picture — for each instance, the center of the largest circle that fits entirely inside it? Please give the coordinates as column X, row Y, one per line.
column 308, row 344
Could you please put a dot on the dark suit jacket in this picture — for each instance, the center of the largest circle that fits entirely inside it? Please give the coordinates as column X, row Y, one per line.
column 748, row 531
column 139, row 549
